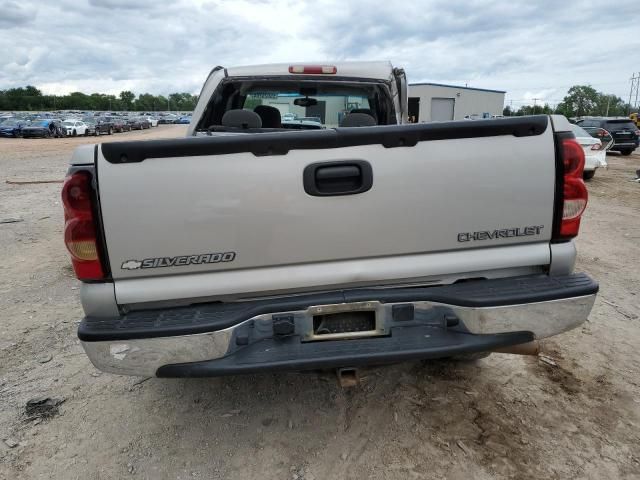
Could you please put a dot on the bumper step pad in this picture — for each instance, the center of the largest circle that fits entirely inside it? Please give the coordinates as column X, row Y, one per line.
column 210, row 317
column 289, row 354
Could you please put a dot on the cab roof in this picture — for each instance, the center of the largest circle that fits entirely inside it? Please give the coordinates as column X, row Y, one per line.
column 382, row 70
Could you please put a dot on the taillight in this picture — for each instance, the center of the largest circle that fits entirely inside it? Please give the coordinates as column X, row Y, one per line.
column 313, row 69
column 596, row 146
column 573, row 192
column 80, row 233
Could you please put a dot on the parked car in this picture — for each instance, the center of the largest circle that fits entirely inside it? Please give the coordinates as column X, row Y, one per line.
column 45, row 128
column 595, row 153
column 75, row 127
column 12, row 127
column 104, row 125
column 138, row 123
column 152, row 120
column 625, row 134
column 356, row 262
column 167, row 119
column 120, row 124
column 91, row 126
column 186, row 120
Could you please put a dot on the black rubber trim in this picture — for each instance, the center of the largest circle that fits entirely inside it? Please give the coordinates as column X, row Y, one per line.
column 289, row 354
column 209, row 317
column 281, row 143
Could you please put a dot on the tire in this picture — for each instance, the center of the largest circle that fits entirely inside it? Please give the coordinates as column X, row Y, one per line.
column 96, row 133
column 588, row 175
column 110, row 131
column 626, row 153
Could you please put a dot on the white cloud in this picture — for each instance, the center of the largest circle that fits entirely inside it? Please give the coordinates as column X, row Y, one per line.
column 531, row 49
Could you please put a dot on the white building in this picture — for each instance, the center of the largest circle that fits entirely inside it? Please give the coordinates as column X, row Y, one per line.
column 430, row 102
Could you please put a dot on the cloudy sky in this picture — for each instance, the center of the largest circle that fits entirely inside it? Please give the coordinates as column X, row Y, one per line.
column 532, row 49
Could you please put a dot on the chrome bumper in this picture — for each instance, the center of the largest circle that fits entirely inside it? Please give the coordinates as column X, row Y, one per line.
column 145, row 356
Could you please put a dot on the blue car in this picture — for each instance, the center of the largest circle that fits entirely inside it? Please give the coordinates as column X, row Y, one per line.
column 12, row 127
column 184, row 120
column 44, row 127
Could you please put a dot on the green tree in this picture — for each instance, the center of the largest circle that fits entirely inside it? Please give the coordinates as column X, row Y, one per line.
column 145, row 102
column 31, row 98
column 580, row 100
column 535, row 110
column 126, row 98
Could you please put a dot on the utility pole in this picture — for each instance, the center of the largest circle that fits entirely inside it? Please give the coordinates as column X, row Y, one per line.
column 535, row 104
column 635, row 87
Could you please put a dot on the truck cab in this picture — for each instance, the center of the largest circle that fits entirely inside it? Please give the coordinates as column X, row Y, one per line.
column 318, row 95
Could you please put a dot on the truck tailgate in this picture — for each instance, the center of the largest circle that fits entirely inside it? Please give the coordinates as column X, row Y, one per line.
column 208, row 210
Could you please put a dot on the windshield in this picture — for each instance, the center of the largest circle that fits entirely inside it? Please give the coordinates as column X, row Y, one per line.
column 326, row 110
column 579, row 131
column 68, row 123
column 40, row 123
column 12, row 122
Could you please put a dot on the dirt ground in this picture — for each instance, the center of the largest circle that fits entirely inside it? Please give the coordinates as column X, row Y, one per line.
column 574, row 414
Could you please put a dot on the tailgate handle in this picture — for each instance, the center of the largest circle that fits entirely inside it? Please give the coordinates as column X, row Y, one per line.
column 347, row 177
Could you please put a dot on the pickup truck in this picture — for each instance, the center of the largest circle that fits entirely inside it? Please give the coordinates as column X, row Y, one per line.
column 260, row 245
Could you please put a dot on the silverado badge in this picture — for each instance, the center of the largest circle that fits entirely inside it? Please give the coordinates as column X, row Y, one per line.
column 180, row 261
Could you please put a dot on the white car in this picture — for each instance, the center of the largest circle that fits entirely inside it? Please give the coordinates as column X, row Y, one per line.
column 152, row 121
column 75, row 127
column 595, row 154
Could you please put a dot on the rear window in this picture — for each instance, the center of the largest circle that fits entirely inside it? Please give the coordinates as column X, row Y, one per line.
column 620, row 125
column 320, row 109
column 579, row 131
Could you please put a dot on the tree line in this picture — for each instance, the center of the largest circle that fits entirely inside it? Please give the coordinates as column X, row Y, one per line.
column 30, row 98
column 581, row 100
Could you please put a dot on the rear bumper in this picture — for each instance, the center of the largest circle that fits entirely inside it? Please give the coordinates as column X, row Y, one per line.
column 597, row 160
column 624, row 144
column 410, row 323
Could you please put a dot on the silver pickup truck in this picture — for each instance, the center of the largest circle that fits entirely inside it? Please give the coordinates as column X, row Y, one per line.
column 304, row 224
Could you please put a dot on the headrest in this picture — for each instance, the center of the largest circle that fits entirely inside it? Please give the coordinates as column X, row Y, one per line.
column 241, row 119
column 269, row 115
